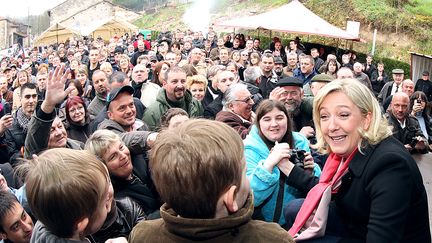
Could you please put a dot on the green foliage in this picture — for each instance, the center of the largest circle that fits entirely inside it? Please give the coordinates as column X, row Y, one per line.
column 420, row 7
column 136, row 5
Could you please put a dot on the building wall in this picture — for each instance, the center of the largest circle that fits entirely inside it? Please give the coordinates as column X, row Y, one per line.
column 125, row 14
column 69, row 8
column 78, row 13
column 92, row 14
column 3, row 34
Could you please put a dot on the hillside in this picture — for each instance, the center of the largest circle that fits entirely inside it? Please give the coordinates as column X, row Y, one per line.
column 403, row 25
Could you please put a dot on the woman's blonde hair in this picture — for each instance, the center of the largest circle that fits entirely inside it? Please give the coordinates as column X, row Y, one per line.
column 196, row 79
column 100, row 141
column 363, row 98
column 16, row 82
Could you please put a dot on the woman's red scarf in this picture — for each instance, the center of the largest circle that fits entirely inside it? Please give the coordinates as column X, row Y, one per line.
column 330, row 175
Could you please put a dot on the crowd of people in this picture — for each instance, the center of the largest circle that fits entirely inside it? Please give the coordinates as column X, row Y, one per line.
column 216, row 138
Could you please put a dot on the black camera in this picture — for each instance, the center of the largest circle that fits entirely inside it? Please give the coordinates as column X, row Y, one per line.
column 413, row 142
column 297, row 157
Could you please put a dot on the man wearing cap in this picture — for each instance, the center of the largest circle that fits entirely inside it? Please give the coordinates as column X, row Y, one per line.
column 278, row 67
column 289, row 91
column 118, row 51
column 392, row 87
column 8, row 74
column 117, row 80
column 425, row 85
column 122, row 119
column 174, row 94
column 319, row 81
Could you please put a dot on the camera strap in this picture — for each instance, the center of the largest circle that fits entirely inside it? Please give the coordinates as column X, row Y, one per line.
column 280, row 196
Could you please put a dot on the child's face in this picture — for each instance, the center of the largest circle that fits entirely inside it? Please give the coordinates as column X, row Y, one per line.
column 98, row 218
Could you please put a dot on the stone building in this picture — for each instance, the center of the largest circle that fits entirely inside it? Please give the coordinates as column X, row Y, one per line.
column 11, row 33
column 77, row 13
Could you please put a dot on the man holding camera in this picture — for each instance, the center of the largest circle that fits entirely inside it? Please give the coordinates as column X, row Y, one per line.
column 405, row 127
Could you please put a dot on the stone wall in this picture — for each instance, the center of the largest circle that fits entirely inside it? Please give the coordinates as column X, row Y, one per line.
column 78, row 14
column 3, row 34
column 69, row 8
column 90, row 15
column 125, row 14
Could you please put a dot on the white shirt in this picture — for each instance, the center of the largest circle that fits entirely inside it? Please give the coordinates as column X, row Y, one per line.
column 393, row 91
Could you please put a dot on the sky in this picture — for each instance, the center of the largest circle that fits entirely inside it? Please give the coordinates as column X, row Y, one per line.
column 20, row 8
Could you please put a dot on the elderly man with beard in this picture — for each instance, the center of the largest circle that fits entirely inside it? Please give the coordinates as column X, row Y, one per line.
column 45, row 128
column 289, row 91
column 174, row 94
column 100, row 84
column 237, row 109
column 16, row 134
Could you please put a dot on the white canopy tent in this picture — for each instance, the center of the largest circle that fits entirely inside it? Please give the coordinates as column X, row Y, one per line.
column 55, row 34
column 106, row 28
column 293, row 17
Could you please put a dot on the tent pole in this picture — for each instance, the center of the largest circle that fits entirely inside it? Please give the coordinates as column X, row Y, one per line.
column 57, row 33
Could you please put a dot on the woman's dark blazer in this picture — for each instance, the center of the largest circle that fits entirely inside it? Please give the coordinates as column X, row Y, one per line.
column 382, row 197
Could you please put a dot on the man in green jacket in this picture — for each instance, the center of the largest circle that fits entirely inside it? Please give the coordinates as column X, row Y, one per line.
column 173, row 95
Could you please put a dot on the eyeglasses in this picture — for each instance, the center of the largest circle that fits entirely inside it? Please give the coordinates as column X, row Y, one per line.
column 246, row 100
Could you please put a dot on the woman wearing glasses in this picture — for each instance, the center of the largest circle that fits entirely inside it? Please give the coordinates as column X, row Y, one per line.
column 269, row 147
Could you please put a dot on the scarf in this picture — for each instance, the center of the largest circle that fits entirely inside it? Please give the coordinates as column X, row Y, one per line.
column 22, row 119
column 334, row 168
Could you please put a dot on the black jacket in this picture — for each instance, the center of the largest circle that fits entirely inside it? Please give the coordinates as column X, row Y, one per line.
column 208, row 96
column 405, row 135
column 140, row 188
column 79, row 132
column 14, row 139
column 125, row 214
column 426, row 87
column 382, row 197
column 377, row 85
column 213, row 108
